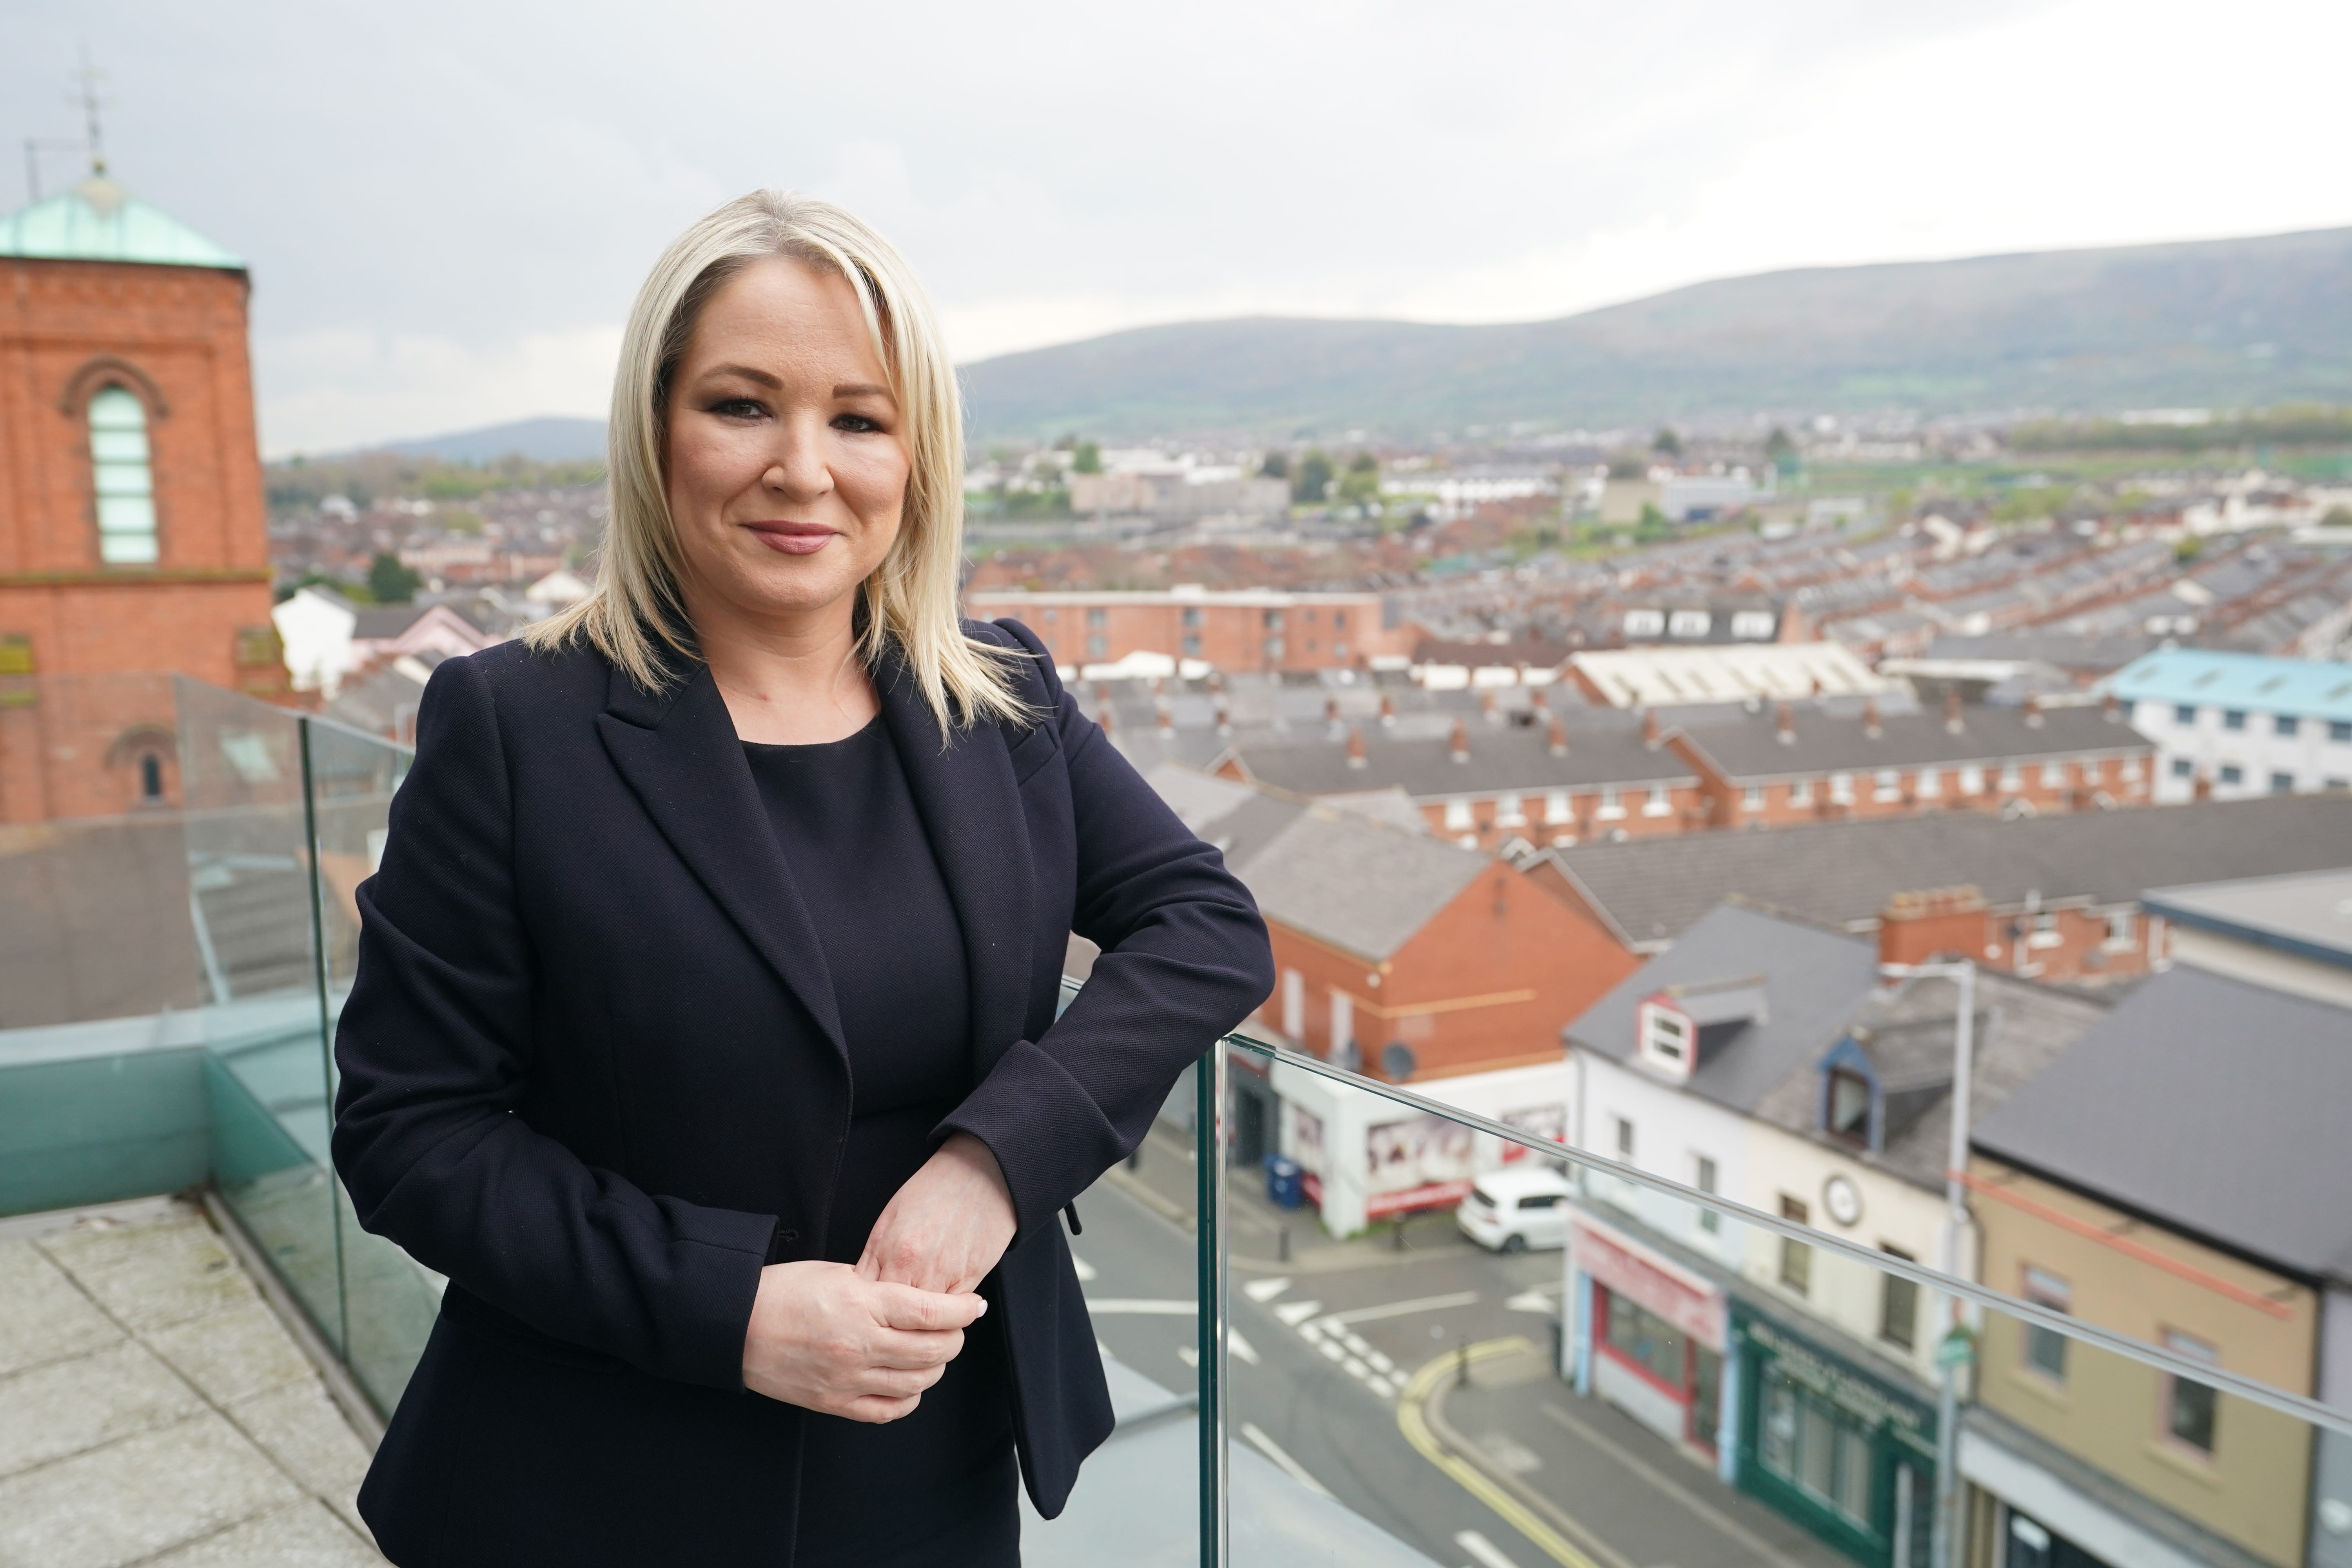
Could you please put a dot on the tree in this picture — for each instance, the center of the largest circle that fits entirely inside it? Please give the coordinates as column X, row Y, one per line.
column 390, row 583
column 1667, row 444
column 1361, row 483
column 1085, row 457
column 1314, row 477
column 1275, row 467
column 1781, row 451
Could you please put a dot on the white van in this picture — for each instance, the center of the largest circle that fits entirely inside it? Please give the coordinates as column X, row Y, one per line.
column 1517, row 1207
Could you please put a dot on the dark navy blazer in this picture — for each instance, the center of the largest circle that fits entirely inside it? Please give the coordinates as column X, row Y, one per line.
column 591, row 1067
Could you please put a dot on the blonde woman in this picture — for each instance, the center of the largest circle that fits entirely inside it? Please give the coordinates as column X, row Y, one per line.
column 703, row 1032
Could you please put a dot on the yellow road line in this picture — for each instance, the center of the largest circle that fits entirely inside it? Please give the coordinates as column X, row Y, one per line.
column 1414, row 1424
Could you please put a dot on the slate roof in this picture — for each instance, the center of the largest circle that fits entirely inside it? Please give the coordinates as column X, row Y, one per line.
column 1751, row 748
column 1909, row 1037
column 1360, row 885
column 1819, row 987
column 1502, row 759
column 1813, row 979
column 1843, row 873
column 2212, row 1105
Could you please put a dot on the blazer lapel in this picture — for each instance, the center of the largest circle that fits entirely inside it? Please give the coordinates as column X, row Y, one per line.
column 679, row 754
column 971, row 807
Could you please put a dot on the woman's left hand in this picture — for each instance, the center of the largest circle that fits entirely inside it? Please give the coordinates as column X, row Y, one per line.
column 945, row 1229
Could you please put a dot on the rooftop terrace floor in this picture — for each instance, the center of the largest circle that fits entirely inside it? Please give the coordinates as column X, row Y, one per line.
column 154, row 1411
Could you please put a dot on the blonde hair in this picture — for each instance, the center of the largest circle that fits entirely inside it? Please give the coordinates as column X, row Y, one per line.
column 910, row 599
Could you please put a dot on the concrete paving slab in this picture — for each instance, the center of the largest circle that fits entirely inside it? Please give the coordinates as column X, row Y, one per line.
column 306, row 1535
column 43, row 1316
column 136, row 1498
column 153, row 1275
column 67, row 1406
column 234, row 1353
column 297, row 1427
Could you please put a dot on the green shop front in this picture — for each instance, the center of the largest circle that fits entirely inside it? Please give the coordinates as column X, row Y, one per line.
column 1845, row 1450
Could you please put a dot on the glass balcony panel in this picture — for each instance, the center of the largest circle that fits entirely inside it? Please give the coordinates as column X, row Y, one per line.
column 1482, row 1352
column 252, row 907
column 390, row 1300
column 1137, row 1498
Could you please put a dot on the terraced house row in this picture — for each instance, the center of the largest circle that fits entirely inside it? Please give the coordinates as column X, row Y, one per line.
column 1491, row 786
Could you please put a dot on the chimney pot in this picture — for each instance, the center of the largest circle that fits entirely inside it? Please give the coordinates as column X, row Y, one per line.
column 1458, row 742
column 1952, row 719
column 1356, row 757
column 1650, row 729
column 2033, row 709
column 1388, row 710
column 1556, row 736
column 1784, row 723
column 1870, row 725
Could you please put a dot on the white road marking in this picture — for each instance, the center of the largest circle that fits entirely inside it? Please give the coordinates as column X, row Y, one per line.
column 1483, row 1551
column 1240, row 1346
column 1259, row 1290
column 1531, row 1301
column 1331, row 1351
column 1289, row 1467
column 1403, row 1309
column 1189, row 1356
column 1294, row 1313
column 1085, row 1270
column 1137, row 1307
column 1357, row 1369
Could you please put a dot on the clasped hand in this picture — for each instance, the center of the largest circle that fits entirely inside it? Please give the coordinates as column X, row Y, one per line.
column 865, row 1341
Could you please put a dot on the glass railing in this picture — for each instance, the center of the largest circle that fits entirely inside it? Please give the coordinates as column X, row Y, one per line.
column 1419, row 1333
column 1345, row 1321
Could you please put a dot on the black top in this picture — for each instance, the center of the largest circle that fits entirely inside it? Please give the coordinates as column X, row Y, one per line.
column 846, row 820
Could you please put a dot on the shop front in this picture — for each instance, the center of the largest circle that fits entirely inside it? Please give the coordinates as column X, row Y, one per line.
column 1647, row 1334
column 1845, row 1451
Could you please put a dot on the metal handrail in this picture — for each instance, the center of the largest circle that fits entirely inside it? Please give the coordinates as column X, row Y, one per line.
column 2297, row 1405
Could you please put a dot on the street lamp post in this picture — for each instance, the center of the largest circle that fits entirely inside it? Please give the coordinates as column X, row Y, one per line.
column 1952, row 1352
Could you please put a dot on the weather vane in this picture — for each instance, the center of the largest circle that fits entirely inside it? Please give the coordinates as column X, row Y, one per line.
column 86, row 98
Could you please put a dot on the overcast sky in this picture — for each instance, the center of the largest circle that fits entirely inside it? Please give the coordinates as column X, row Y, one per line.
column 446, row 206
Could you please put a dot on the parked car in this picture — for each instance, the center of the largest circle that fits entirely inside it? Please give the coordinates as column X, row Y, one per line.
column 1517, row 1207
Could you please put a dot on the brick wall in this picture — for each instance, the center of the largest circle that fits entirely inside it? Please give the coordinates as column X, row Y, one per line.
column 1488, row 981
column 1329, row 632
column 176, row 338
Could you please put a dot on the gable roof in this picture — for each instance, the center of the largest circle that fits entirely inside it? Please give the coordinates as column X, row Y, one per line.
column 2209, row 1104
column 98, row 220
column 1843, row 873
column 1908, row 1037
column 1502, row 759
column 2210, row 679
column 1752, row 749
column 1362, row 885
column 1813, row 981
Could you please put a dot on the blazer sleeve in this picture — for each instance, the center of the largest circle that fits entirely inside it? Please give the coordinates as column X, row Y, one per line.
column 436, row 1046
column 1184, row 959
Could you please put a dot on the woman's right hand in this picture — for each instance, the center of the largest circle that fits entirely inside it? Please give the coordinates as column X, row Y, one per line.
column 826, row 1339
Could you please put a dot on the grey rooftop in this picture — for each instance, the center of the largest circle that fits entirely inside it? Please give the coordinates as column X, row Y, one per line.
column 2210, row 1105
column 1843, row 873
column 2309, row 914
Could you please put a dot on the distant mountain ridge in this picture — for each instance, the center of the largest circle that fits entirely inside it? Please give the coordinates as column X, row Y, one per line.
column 2227, row 322
column 549, row 439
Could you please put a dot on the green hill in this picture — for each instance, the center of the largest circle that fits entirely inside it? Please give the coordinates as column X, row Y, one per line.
column 2229, row 323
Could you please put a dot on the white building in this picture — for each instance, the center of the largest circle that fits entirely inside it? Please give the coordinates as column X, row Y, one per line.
column 2240, row 724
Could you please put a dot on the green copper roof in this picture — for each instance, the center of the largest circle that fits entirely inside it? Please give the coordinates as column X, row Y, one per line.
column 98, row 220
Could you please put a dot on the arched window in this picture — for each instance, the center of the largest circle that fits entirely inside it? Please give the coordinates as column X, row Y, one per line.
column 125, row 484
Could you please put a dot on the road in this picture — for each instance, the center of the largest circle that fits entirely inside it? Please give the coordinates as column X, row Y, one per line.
column 1326, row 1342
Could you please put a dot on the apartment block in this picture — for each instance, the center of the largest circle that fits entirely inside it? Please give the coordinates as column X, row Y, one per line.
column 2232, row 725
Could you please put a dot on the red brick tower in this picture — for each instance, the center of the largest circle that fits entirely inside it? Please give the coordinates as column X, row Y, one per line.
column 132, row 535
